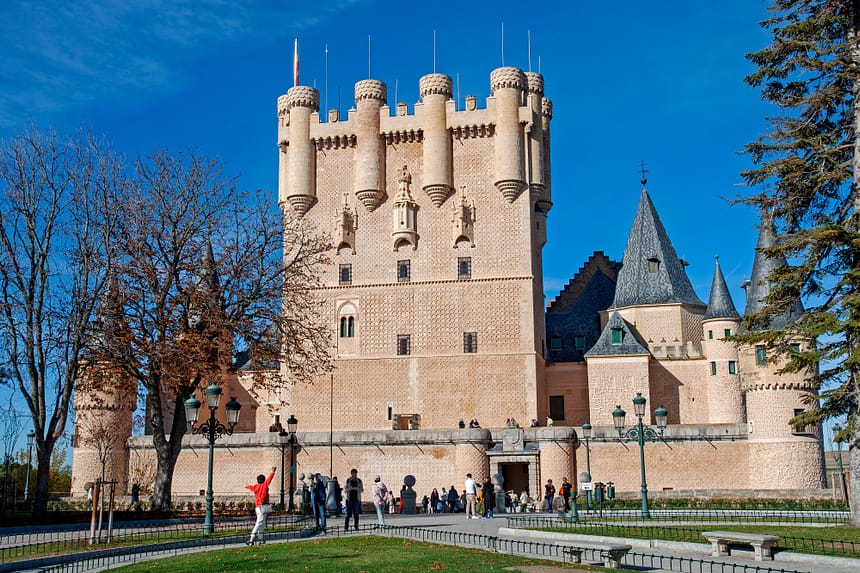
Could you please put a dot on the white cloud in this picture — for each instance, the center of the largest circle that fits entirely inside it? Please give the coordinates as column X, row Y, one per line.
column 58, row 55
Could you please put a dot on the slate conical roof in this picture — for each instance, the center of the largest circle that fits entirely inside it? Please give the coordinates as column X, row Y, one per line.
column 627, row 346
column 758, row 286
column 720, row 303
column 651, row 271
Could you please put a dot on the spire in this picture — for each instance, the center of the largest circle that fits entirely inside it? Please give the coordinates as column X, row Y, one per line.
column 720, row 303
column 209, row 288
column 758, row 286
column 617, row 339
column 651, row 272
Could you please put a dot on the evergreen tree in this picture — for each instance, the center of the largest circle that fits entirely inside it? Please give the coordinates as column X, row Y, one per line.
column 806, row 175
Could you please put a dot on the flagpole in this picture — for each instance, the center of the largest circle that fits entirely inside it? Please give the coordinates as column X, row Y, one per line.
column 296, row 63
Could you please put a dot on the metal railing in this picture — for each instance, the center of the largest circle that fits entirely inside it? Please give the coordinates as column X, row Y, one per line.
column 684, row 532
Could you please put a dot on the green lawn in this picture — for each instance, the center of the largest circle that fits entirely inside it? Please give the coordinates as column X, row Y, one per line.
column 353, row 554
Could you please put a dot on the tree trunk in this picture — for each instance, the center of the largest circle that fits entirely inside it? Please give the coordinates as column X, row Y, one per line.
column 166, row 449
column 43, row 476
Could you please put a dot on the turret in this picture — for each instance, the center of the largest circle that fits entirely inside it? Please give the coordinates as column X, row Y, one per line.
column 435, row 91
column 534, row 131
column 507, row 85
column 545, row 202
column 404, row 211
column 370, row 96
column 298, row 154
column 773, row 399
column 721, row 320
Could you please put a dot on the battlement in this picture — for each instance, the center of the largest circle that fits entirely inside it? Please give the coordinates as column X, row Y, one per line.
column 516, row 116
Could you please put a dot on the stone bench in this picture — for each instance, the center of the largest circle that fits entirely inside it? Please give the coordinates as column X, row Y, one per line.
column 762, row 544
column 611, row 553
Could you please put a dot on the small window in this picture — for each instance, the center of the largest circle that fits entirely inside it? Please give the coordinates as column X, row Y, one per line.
column 653, row 265
column 556, row 407
column 795, row 347
column 345, row 275
column 390, row 412
column 710, row 335
column 727, row 332
column 713, row 368
column 470, row 342
column 403, row 343
column 464, row 268
column 555, row 343
column 579, row 342
column 617, row 335
column 403, row 271
column 760, row 356
column 347, row 326
column 733, row 367
column 799, row 429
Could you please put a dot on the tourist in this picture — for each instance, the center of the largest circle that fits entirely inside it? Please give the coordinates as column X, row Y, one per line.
column 534, row 423
column 452, row 499
column 262, row 506
column 425, row 502
column 434, row 500
column 380, row 498
column 549, row 494
column 461, row 424
column 471, row 491
column 135, row 495
column 353, row 490
column 565, row 493
column 392, row 502
column 488, row 491
column 318, row 495
column 338, row 496
column 549, row 422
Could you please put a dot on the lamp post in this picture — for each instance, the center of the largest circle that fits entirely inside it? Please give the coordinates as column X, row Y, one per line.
column 586, row 435
column 292, row 423
column 212, row 429
column 31, row 439
column 639, row 433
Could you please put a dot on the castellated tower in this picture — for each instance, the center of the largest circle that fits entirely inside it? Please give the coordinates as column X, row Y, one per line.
column 779, row 452
column 436, row 295
column 721, row 320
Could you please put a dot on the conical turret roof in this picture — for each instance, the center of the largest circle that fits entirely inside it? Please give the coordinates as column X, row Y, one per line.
column 624, row 343
column 651, row 271
column 759, row 286
column 720, row 303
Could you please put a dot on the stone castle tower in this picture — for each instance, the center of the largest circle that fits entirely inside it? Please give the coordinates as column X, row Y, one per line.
column 436, row 306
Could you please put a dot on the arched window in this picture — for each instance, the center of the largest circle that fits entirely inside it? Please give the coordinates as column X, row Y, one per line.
column 347, row 326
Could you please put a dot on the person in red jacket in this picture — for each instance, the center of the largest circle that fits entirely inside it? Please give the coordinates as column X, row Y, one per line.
column 262, row 507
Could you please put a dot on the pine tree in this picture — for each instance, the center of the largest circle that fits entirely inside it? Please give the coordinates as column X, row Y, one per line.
column 805, row 176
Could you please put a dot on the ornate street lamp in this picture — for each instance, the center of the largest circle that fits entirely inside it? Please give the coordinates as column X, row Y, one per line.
column 638, row 434
column 586, row 435
column 31, row 439
column 212, row 429
column 292, row 424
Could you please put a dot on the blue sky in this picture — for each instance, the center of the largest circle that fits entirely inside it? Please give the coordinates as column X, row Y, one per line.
column 630, row 80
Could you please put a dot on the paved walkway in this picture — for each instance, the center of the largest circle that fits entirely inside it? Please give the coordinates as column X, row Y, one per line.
column 787, row 562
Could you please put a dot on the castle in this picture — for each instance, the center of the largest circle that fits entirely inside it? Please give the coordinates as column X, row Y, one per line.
column 437, row 312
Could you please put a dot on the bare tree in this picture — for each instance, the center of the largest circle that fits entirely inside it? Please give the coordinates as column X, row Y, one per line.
column 55, row 198
column 204, row 271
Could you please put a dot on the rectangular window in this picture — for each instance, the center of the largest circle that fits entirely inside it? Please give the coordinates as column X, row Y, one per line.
column 556, row 407
column 710, row 335
column 403, row 271
column 470, row 342
column 760, row 356
column 799, row 429
column 733, row 367
column 579, row 342
column 713, row 368
column 555, row 342
column 464, row 268
column 345, row 275
column 617, row 334
column 727, row 332
column 403, row 343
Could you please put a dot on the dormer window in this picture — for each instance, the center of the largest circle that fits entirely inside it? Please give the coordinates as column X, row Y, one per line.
column 653, row 265
column 617, row 335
